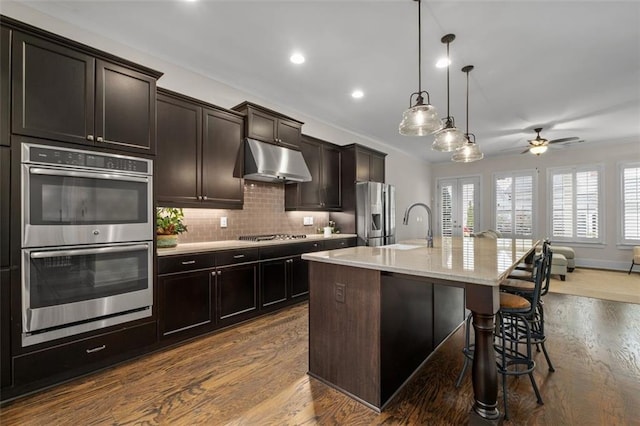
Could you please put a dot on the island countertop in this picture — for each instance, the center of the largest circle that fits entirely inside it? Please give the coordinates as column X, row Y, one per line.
column 482, row 261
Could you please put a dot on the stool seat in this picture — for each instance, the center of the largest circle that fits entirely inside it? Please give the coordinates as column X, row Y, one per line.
column 521, row 274
column 514, row 303
column 515, row 285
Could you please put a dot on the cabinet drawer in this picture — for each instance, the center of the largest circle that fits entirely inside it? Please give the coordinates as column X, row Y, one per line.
column 83, row 355
column 231, row 257
column 187, row 262
column 342, row 243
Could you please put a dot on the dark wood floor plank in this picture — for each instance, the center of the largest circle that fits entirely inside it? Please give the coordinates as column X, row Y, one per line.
column 256, row 374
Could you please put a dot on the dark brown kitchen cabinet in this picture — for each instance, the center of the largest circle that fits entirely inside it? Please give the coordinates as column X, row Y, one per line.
column 5, row 86
column 236, row 285
column 5, row 328
column 274, row 282
column 68, row 94
column 270, row 126
column 324, row 190
column 185, row 303
column 200, row 153
column 5, row 207
column 369, row 165
column 448, row 311
column 82, row 356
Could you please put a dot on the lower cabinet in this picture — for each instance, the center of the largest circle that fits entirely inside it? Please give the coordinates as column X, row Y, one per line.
column 274, row 281
column 186, row 303
column 237, row 292
column 448, row 311
column 71, row 359
column 299, row 278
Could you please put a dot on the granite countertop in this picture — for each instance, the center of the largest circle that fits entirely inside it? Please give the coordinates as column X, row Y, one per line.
column 474, row 260
column 186, row 248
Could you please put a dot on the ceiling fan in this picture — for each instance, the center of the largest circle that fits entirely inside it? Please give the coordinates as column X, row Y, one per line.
column 539, row 145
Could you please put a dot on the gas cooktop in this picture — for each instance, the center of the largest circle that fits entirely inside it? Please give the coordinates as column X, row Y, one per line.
column 269, row 237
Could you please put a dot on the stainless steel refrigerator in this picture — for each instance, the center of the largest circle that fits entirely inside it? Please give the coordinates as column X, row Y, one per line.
column 376, row 213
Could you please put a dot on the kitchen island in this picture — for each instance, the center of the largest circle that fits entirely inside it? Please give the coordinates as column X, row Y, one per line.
column 377, row 313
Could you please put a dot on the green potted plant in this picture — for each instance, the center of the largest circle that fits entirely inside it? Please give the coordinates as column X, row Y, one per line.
column 168, row 225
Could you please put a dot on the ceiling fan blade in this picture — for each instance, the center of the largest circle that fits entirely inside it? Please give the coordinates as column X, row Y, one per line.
column 525, row 151
column 560, row 140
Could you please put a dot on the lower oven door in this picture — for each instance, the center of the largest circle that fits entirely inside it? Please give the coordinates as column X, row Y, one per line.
column 71, row 290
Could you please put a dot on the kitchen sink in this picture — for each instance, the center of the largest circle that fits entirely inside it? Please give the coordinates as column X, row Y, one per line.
column 401, row 246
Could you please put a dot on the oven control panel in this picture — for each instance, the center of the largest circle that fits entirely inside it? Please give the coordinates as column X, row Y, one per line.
column 88, row 159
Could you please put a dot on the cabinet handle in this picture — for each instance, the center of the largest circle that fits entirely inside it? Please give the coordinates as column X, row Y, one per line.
column 89, row 137
column 98, row 349
column 188, row 262
column 238, row 256
column 100, row 139
column 219, row 273
column 204, row 197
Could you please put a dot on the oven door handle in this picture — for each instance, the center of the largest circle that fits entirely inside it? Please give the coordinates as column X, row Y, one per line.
column 73, row 173
column 82, row 252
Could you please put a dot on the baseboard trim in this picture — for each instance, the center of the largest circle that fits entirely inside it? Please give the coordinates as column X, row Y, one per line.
column 613, row 265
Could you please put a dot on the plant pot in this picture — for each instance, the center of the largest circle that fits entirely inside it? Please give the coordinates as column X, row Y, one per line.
column 166, row 241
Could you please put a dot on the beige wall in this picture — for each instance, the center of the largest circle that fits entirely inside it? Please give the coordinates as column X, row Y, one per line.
column 608, row 255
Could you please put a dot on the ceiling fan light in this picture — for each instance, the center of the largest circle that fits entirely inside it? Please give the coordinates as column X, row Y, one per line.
column 468, row 153
column 538, row 149
column 419, row 120
column 448, row 139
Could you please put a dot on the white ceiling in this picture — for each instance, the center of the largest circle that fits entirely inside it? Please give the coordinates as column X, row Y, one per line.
column 570, row 67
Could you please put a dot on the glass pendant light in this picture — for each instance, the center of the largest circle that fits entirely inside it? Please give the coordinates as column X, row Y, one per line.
column 470, row 151
column 448, row 138
column 420, row 119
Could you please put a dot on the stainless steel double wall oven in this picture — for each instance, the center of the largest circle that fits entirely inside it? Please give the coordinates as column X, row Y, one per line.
column 87, row 241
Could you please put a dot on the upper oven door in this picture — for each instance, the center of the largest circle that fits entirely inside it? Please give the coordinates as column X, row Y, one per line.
column 65, row 206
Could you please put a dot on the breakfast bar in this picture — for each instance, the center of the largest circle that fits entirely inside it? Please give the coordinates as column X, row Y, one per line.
column 377, row 313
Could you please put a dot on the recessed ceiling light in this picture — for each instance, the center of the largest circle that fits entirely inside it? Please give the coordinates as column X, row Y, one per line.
column 357, row 94
column 443, row 63
column 297, row 58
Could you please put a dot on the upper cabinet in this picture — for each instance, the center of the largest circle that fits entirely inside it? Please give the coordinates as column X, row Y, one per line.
column 324, row 190
column 5, row 86
column 269, row 126
column 200, row 153
column 64, row 93
column 369, row 165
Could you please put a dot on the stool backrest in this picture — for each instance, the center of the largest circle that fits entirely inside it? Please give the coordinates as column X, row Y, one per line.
column 541, row 269
column 548, row 254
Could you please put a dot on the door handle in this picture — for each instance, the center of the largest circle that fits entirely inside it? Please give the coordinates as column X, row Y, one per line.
column 98, row 349
column 238, row 256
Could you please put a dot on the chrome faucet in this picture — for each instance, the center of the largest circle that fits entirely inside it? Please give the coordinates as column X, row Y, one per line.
column 405, row 221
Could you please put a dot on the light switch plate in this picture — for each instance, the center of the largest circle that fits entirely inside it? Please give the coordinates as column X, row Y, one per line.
column 223, row 222
column 308, row 220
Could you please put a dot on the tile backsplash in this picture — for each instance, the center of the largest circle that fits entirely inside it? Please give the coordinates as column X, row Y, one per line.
column 263, row 213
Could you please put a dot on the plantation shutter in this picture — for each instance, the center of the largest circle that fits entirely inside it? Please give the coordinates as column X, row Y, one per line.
column 514, row 197
column 631, row 203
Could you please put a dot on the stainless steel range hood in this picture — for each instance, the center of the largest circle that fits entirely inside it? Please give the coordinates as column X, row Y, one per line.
column 272, row 163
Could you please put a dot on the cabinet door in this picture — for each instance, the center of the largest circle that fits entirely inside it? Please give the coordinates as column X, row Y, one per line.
column 125, row 108
column 299, row 277
column 331, row 177
column 185, row 302
column 5, row 328
column 53, row 91
column 273, row 282
column 5, row 86
column 5, row 207
column 309, row 192
column 261, row 126
column 376, row 168
column 448, row 311
column 289, row 133
column 179, row 139
column 362, row 166
column 222, row 159
column 237, row 292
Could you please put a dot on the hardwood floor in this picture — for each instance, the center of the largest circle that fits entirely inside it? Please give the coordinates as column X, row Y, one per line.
column 255, row 374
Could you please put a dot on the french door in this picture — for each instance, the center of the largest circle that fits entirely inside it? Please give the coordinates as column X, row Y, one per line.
column 459, row 206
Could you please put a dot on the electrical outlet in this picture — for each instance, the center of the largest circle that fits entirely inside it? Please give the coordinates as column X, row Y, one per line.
column 340, row 290
column 223, row 222
column 308, row 220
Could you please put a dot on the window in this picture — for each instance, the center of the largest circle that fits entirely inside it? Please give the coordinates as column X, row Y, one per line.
column 576, row 204
column 630, row 191
column 514, row 195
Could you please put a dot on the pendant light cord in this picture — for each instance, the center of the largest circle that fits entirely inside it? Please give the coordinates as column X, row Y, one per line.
column 419, row 48
column 468, row 104
column 448, row 67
